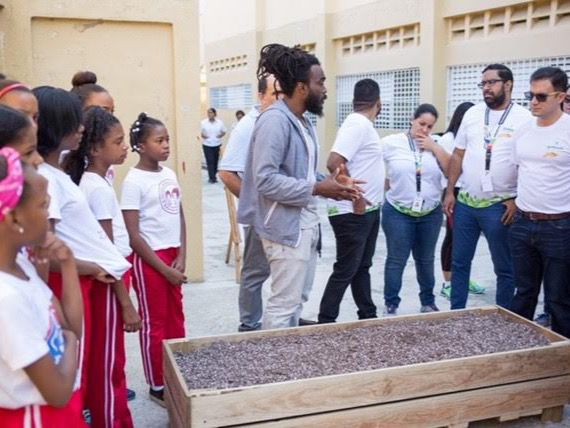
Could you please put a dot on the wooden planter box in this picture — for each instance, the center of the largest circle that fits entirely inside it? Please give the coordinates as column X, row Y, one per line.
column 504, row 385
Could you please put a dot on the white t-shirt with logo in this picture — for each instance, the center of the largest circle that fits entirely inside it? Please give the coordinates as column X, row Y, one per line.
column 358, row 142
column 212, row 130
column 401, row 171
column 105, row 206
column 470, row 137
column 29, row 330
column 156, row 195
column 77, row 226
column 543, row 156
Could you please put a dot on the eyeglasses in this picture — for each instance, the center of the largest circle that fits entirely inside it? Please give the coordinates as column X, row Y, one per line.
column 539, row 97
column 490, row 82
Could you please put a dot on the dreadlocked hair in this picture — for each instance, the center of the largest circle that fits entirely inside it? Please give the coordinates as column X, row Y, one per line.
column 140, row 129
column 97, row 122
column 288, row 65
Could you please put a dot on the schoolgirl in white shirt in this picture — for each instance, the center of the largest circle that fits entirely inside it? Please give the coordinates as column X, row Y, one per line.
column 101, row 146
column 38, row 334
column 98, row 261
column 153, row 214
column 412, row 214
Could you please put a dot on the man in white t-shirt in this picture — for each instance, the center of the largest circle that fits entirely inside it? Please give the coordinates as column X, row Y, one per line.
column 485, row 203
column 213, row 130
column 358, row 151
column 255, row 269
column 540, row 234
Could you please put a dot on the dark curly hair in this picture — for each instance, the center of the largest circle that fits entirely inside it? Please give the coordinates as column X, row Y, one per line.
column 97, row 122
column 140, row 130
column 288, row 65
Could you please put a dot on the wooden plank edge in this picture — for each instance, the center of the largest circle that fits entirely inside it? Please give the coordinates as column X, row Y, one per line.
column 553, row 336
column 453, row 409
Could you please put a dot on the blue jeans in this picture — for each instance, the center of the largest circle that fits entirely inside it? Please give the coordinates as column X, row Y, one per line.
column 468, row 223
column 541, row 253
column 405, row 234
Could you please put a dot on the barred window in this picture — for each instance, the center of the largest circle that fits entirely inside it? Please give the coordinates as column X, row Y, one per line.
column 231, row 97
column 462, row 79
column 399, row 92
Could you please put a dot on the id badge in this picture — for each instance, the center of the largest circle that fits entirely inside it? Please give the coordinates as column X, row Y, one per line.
column 418, row 204
column 486, row 182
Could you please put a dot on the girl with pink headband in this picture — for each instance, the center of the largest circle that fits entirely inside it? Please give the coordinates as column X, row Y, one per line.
column 38, row 334
column 20, row 97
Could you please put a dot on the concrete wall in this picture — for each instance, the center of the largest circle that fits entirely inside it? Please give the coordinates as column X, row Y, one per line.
column 146, row 53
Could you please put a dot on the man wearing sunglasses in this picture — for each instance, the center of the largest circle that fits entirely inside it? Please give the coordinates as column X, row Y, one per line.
column 540, row 234
column 483, row 155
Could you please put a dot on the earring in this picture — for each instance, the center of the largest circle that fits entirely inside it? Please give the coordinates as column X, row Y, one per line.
column 20, row 230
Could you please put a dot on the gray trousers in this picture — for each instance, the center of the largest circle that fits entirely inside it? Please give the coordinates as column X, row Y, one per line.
column 254, row 272
column 292, row 275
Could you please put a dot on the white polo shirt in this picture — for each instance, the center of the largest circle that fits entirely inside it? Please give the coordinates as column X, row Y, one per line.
column 212, row 130
column 543, row 156
column 470, row 137
column 235, row 154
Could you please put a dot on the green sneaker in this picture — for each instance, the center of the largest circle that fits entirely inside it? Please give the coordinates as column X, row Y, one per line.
column 446, row 290
column 475, row 288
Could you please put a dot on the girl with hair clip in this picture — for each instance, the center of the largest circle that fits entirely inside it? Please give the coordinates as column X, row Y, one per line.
column 99, row 262
column 101, row 146
column 38, row 334
column 155, row 221
column 18, row 96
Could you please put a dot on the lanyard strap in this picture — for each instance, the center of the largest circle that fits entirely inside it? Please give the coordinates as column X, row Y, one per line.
column 489, row 141
column 418, row 157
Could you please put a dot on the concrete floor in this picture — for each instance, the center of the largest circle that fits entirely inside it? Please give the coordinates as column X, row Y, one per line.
column 211, row 307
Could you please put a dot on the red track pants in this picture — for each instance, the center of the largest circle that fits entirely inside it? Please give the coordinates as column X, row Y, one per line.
column 160, row 307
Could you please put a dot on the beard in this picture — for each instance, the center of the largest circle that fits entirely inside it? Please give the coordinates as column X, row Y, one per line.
column 496, row 100
column 314, row 104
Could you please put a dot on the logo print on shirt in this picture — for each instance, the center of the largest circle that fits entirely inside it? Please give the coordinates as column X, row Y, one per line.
column 169, row 195
column 54, row 337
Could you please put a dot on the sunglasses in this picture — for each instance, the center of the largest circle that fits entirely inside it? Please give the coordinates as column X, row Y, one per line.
column 490, row 82
column 539, row 97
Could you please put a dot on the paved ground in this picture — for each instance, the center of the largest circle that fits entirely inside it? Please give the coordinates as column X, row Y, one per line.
column 211, row 306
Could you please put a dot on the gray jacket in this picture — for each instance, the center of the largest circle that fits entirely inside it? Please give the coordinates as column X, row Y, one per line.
column 275, row 186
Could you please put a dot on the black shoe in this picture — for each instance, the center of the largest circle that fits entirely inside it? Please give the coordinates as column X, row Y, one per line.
column 303, row 322
column 244, row 328
column 131, row 395
column 157, row 396
column 390, row 310
column 429, row 308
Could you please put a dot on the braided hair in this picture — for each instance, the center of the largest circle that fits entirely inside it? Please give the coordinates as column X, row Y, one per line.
column 140, row 130
column 288, row 65
column 97, row 122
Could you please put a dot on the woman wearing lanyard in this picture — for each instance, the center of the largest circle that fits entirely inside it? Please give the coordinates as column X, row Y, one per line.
column 412, row 216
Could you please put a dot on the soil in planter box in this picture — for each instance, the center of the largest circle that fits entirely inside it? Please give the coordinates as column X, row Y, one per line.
column 224, row 365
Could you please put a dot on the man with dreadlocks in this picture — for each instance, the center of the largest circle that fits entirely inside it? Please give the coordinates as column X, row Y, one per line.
column 280, row 184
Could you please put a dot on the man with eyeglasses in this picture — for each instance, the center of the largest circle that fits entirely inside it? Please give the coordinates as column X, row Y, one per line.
column 540, row 234
column 485, row 203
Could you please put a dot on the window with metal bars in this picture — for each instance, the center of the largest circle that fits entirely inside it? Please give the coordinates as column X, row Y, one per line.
column 231, row 97
column 462, row 79
column 399, row 92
